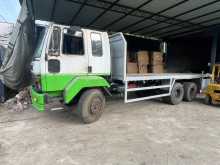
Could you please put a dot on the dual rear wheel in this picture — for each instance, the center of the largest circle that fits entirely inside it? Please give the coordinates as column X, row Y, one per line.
column 186, row 92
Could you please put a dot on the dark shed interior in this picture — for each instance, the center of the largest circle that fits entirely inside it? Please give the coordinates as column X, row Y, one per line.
column 189, row 54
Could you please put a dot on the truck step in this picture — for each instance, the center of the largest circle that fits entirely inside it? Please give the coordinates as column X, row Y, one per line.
column 57, row 109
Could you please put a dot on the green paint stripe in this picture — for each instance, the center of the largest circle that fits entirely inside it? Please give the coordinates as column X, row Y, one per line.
column 58, row 82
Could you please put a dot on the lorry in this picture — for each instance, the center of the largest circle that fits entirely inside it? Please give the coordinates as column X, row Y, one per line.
column 77, row 65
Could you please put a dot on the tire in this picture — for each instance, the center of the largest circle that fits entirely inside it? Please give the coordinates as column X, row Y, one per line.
column 208, row 100
column 176, row 94
column 91, row 105
column 190, row 91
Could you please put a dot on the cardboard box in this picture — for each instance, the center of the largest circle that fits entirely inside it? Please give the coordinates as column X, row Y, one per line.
column 143, row 57
column 142, row 68
column 156, row 58
column 157, row 68
column 143, row 61
column 132, row 67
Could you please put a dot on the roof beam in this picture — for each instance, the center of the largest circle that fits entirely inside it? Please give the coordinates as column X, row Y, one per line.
column 129, row 13
column 184, row 33
column 102, row 13
column 122, row 9
column 156, row 17
column 78, row 12
column 160, row 12
column 175, row 30
column 181, row 14
column 193, row 18
column 53, row 10
column 197, row 8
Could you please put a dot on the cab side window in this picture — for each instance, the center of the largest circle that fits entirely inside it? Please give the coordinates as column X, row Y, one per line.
column 96, row 40
column 54, row 46
column 73, row 42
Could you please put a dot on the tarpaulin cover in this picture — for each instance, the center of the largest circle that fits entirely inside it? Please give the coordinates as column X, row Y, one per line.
column 15, row 68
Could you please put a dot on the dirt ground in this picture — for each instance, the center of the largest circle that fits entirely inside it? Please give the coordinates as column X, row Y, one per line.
column 143, row 133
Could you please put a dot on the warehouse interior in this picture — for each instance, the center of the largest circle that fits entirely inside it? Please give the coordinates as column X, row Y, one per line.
column 190, row 27
column 36, row 130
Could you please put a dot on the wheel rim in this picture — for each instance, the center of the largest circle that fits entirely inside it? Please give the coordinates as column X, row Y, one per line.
column 192, row 92
column 177, row 93
column 96, row 106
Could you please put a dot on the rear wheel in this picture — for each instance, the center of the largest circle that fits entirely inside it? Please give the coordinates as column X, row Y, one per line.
column 190, row 91
column 176, row 95
column 91, row 105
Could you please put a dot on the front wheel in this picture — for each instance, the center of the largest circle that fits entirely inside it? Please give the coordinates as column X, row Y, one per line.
column 91, row 105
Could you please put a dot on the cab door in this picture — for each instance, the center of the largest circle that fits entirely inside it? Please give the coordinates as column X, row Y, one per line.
column 72, row 53
column 67, row 57
column 98, row 52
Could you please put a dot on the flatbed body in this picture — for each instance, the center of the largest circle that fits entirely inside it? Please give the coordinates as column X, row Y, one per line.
column 156, row 85
column 157, row 76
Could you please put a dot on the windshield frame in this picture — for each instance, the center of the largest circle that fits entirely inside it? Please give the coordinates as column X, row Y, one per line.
column 40, row 42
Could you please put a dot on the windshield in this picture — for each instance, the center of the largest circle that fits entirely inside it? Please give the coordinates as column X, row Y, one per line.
column 40, row 38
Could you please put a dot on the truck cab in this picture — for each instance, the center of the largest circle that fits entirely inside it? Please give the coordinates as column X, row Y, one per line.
column 68, row 60
column 71, row 50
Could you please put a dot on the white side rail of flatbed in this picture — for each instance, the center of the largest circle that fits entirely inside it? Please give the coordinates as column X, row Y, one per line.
column 170, row 79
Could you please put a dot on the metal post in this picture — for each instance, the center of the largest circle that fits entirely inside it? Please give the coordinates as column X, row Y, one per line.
column 214, row 49
column 125, row 92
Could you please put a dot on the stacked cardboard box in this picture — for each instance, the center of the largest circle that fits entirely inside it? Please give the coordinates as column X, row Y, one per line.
column 132, row 67
column 143, row 61
column 157, row 65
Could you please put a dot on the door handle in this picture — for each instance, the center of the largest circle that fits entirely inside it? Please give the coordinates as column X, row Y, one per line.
column 46, row 57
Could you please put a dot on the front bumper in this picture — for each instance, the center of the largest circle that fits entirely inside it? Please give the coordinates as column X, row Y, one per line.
column 38, row 100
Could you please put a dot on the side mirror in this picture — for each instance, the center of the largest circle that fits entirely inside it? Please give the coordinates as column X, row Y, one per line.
column 54, row 47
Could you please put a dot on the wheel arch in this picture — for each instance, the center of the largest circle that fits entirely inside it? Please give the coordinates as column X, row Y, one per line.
column 82, row 83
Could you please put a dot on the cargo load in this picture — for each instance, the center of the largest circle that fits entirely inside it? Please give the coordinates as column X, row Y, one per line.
column 156, row 64
column 132, row 67
column 143, row 61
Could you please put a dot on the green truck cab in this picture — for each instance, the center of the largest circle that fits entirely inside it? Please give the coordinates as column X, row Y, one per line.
column 70, row 62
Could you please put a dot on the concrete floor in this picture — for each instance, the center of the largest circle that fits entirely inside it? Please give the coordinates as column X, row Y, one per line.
column 148, row 132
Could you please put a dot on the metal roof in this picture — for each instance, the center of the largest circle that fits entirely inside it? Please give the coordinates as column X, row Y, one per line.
column 156, row 18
